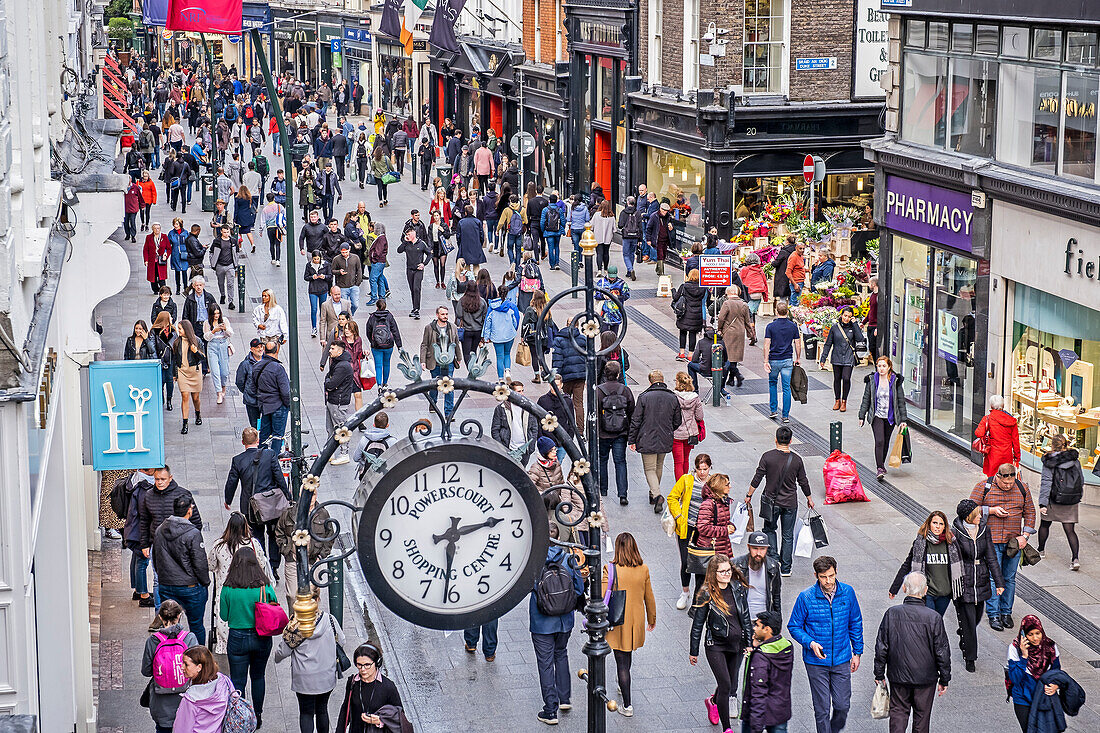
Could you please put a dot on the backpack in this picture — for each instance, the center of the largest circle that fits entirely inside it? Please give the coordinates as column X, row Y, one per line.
column 553, row 218
column 168, row 662
column 375, row 448
column 230, row 112
column 515, row 224
column 554, row 593
column 632, row 225
column 1067, row 485
column 262, row 166
column 613, row 412
column 380, row 335
column 680, row 305
column 240, row 717
column 248, row 113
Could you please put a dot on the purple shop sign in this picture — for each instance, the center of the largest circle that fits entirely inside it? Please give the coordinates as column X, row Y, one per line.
column 937, row 214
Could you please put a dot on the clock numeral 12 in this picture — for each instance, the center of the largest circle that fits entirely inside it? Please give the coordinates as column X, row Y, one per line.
column 449, row 473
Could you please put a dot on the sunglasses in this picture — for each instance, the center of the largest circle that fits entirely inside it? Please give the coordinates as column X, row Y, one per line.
column 1007, row 475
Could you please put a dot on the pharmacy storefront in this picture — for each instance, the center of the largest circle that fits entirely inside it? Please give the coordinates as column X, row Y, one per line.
column 1050, row 339
column 935, row 278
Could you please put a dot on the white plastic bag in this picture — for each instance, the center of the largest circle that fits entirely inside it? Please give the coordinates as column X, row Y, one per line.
column 668, row 522
column 804, row 542
column 880, row 702
column 739, row 518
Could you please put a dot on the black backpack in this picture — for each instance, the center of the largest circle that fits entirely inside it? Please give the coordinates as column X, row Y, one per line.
column 680, row 303
column 553, row 218
column 381, row 336
column 554, row 592
column 613, row 412
column 120, row 498
column 632, row 225
column 1067, row 485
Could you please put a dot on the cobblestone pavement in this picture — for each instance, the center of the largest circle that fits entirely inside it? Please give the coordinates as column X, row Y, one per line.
column 446, row 689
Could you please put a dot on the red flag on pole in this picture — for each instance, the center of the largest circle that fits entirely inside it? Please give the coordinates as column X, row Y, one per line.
column 205, row 16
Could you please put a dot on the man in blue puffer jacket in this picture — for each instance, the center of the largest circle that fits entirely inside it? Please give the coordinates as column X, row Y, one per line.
column 571, row 366
column 827, row 622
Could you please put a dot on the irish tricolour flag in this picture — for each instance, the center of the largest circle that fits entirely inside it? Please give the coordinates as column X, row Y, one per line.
column 413, row 11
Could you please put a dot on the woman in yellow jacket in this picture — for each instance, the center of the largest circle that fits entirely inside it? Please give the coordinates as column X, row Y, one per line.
column 683, row 503
column 630, row 575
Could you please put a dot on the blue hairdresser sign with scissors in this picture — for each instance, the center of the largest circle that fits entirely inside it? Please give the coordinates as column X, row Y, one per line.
column 127, row 414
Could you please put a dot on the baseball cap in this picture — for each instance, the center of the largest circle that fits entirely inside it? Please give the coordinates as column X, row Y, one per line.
column 758, row 539
column 254, row 343
column 612, row 271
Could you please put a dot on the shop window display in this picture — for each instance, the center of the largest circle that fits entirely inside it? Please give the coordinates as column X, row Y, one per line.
column 909, row 337
column 1055, row 349
column 680, row 179
column 956, row 322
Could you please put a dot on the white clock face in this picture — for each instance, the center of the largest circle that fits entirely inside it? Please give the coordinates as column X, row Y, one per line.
column 453, row 538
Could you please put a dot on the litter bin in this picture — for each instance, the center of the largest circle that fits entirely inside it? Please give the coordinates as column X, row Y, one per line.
column 206, row 186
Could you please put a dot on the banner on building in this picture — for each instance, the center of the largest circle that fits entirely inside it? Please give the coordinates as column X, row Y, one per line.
column 205, row 16
column 154, row 12
column 391, row 19
column 126, row 414
column 443, row 25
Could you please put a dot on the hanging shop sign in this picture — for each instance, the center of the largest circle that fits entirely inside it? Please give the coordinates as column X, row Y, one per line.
column 305, row 35
column 872, row 54
column 127, row 414
column 337, row 45
column 937, row 214
column 357, row 35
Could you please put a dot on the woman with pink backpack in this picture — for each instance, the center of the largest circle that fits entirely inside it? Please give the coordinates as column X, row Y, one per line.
column 161, row 662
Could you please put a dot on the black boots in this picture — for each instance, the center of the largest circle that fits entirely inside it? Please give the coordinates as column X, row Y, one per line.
column 183, row 430
column 198, row 418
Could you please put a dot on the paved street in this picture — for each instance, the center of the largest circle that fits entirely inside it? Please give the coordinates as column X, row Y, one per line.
column 447, row 689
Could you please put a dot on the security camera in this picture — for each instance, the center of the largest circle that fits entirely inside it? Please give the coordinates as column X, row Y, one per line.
column 708, row 37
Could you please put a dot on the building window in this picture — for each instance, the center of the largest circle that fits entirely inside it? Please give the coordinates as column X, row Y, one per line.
column 763, row 47
column 691, row 45
column 656, row 23
column 974, row 85
column 1028, row 121
column 923, row 112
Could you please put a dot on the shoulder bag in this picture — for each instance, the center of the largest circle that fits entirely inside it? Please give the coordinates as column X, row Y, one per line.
column 614, row 599
column 266, row 505
column 698, row 557
column 271, row 619
column 767, row 508
column 343, row 664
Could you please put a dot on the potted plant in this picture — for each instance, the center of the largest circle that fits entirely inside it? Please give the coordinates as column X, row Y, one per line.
column 121, row 30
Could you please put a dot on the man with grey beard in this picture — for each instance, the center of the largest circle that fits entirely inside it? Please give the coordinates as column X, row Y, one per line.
column 762, row 570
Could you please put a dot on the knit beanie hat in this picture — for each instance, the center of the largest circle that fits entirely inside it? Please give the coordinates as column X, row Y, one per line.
column 966, row 508
column 545, row 446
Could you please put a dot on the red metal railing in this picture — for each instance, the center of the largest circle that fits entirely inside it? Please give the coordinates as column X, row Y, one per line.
column 114, row 94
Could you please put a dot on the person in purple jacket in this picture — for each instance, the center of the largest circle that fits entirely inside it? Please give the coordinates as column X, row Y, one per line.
column 766, row 688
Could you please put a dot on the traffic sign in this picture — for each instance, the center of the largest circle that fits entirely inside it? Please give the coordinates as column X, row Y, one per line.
column 715, row 271
column 233, row 38
column 808, row 168
column 523, row 144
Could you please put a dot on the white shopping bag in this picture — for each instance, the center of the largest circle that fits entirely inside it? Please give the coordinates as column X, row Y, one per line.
column 880, row 702
column 668, row 522
column 804, row 542
column 739, row 518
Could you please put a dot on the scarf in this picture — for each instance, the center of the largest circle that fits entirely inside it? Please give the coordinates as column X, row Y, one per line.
column 1040, row 656
column 954, row 560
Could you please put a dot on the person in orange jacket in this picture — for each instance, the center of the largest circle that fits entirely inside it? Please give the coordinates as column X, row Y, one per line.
column 796, row 273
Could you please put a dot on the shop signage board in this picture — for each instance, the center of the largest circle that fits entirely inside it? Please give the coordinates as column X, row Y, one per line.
column 126, row 414
column 357, row 35
column 939, row 215
column 872, row 49
column 715, row 271
column 947, row 338
column 819, row 63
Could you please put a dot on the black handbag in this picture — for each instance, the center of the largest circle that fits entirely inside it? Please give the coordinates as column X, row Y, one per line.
column 614, row 598
column 699, row 557
column 343, row 664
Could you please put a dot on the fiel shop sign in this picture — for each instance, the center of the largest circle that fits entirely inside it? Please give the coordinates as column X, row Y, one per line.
column 939, row 215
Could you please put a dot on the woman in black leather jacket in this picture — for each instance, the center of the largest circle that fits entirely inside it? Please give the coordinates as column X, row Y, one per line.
column 721, row 606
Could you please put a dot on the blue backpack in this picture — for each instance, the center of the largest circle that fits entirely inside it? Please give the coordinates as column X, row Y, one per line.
column 240, row 717
column 515, row 225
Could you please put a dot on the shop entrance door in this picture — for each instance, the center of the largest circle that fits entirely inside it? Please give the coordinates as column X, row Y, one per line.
column 496, row 116
column 603, row 161
column 953, row 338
column 307, row 63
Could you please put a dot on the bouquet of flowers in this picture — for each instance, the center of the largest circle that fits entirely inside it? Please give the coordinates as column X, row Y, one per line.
column 841, row 217
column 767, row 255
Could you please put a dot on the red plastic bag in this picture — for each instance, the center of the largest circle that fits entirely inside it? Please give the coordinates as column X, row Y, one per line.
column 842, row 482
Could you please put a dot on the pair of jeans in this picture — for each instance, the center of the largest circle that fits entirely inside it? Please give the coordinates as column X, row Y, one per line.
column 780, row 371
column 552, row 660
column 504, row 356
column 831, row 692
column 156, row 156
column 794, row 297
column 575, row 235
column 616, row 448
column 316, row 300
column 248, row 654
column 382, row 193
column 326, row 206
column 274, row 243
column 313, row 709
column 786, row 517
column 938, row 604
column 193, row 601
column 273, row 425
column 377, row 288
column 999, row 605
column 553, row 249
column 139, row 567
column 487, row 633
column 382, row 365
column 628, row 253
column 351, row 295
column 515, row 247
column 433, row 394
column 217, row 354
column 129, row 225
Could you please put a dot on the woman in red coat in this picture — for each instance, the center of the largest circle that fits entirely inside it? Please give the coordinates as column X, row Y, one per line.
column 1003, row 435
column 156, row 253
column 713, row 522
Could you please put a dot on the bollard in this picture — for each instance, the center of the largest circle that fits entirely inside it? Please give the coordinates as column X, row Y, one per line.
column 717, row 372
column 240, row 287
column 336, row 591
column 836, row 440
column 575, row 267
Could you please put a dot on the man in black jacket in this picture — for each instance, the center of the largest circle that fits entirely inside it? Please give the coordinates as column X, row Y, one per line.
column 180, row 560
column 762, row 570
column 313, row 233
column 339, row 385
column 785, row 473
column 508, row 427
column 347, row 269
column 156, row 505
column 656, row 416
column 418, row 254
column 913, row 652
column 248, row 391
column 191, row 306
column 614, row 410
column 414, row 222
column 256, row 470
column 562, row 408
column 333, row 240
column 269, row 380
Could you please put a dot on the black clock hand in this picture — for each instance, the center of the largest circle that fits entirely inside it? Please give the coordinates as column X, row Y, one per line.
column 447, row 577
column 490, row 522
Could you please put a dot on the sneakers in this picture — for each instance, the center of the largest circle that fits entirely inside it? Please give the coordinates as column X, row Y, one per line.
column 627, row 711
column 712, row 710
column 471, row 649
column 683, row 600
column 339, row 460
column 785, row 574
column 113, row 534
column 623, row 501
column 314, row 333
column 565, row 706
column 146, row 602
column 1074, row 564
column 773, row 415
column 785, row 420
column 548, row 718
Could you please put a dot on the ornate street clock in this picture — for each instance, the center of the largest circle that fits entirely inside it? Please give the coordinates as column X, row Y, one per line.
column 453, row 532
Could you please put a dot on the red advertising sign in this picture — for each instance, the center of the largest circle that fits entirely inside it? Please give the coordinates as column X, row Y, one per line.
column 205, row 16
column 715, row 271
